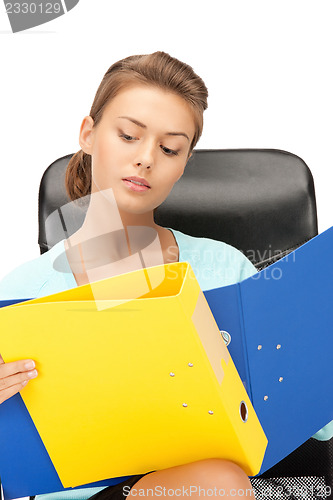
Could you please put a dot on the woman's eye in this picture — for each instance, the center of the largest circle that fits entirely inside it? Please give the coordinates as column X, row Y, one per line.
column 127, row 137
column 168, row 151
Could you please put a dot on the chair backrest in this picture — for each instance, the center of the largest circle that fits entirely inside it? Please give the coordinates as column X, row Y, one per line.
column 261, row 201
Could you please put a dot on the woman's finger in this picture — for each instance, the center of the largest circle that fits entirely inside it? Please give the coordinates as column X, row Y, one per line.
column 7, row 369
column 18, row 378
column 11, row 391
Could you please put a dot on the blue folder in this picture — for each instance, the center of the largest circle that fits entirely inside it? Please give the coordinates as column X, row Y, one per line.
column 280, row 325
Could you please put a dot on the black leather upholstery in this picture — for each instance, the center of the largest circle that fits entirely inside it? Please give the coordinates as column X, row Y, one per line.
column 260, row 201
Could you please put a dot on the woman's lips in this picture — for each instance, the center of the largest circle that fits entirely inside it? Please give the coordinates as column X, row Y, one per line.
column 135, row 187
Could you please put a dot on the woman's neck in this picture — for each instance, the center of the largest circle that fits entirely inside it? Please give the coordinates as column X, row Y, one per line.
column 110, row 239
column 104, row 218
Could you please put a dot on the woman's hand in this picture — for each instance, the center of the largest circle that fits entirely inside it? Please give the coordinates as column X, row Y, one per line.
column 14, row 376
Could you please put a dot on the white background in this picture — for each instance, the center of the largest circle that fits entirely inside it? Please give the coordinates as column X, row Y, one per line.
column 267, row 66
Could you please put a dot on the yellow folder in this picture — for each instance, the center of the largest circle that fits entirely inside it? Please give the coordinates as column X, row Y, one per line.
column 142, row 384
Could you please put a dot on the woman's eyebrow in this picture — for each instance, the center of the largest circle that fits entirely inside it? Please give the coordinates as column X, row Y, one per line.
column 139, row 124
column 179, row 133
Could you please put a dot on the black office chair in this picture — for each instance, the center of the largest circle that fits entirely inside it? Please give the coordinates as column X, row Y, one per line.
column 261, row 202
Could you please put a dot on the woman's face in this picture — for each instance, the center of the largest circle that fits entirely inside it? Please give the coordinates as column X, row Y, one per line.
column 146, row 133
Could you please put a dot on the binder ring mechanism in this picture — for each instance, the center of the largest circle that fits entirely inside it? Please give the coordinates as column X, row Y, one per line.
column 226, row 337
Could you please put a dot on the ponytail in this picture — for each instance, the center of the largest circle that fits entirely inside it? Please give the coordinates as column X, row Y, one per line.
column 78, row 175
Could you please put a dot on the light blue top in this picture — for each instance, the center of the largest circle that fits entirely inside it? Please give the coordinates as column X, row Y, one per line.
column 214, row 263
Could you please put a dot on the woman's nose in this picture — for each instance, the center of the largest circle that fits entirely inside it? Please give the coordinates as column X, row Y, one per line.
column 139, row 164
column 145, row 157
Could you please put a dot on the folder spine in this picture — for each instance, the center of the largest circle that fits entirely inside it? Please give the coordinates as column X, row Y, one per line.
column 244, row 343
column 183, row 306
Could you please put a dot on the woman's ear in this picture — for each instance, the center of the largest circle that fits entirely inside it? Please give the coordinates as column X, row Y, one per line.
column 87, row 135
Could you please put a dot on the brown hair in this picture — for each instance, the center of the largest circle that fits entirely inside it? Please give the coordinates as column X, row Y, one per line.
column 157, row 69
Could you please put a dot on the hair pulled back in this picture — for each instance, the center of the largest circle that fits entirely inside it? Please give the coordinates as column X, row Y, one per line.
column 158, row 69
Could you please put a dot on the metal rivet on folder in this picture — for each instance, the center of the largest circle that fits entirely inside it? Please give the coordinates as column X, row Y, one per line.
column 265, row 398
column 259, row 347
column 211, row 412
column 185, row 405
column 172, row 374
column 190, row 364
column 226, row 337
column 278, row 346
column 243, row 411
column 280, row 379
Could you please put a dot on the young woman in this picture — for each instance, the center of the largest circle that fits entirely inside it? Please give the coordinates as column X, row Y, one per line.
column 146, row 118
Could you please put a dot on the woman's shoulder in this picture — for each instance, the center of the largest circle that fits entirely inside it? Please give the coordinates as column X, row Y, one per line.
column 222, row 262
column 29, row 278
column 196, row 242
